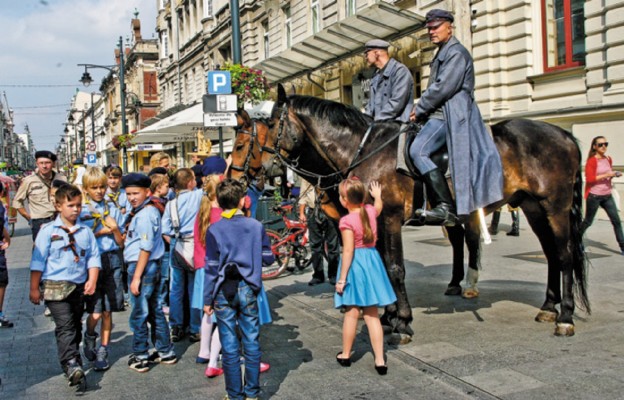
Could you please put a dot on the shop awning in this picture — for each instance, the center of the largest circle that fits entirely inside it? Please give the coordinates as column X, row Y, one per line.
column 341, row 40
column 179, row 127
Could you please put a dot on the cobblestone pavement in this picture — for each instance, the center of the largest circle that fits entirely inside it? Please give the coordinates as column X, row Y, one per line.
column 489, row 347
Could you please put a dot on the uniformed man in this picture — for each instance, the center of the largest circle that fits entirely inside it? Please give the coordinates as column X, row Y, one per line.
column 37, row 188
column 392, row 87
column 474, row 161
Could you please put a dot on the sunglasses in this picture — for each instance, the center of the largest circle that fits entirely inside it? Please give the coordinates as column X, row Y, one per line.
column 603, row 144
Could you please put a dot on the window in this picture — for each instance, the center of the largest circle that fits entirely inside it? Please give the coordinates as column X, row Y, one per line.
column 563, row 34
column 350, row 7
column 265, row 36
column 287, row 27
column 164, row 39
column 315, row 10
column 207, row 8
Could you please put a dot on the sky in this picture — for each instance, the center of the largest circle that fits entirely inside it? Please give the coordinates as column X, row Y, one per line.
column 41, row 43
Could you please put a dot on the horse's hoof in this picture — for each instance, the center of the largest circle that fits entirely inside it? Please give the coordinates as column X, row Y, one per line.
column 546, row 316
column 453, row 291
column 398, row 339
column 470, row 293
column 564, row 329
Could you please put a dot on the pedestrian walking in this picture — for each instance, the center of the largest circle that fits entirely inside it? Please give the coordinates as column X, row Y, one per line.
column 144, row 248
column 363, row 282
column 4, row 273
column 598, row 188
column 36, row 189
column 104, row 221
column 322, row 233
column 66, row 262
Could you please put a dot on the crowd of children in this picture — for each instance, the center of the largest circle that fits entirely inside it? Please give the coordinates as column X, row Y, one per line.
column 175, row 249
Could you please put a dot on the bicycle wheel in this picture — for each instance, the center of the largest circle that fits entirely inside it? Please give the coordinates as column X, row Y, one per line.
column 282, row 251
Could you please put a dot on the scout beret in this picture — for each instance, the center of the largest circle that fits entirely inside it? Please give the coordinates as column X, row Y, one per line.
column 376, row 44
column 134, row 179
column 158, row 170
column 436, row 17
column 45, row 154
column 213, row 165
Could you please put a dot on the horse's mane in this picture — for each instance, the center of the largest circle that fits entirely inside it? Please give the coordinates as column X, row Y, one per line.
column 337, row 114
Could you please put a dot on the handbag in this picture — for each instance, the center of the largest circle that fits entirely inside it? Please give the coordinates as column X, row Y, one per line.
column 57, row 290
column 184, row 246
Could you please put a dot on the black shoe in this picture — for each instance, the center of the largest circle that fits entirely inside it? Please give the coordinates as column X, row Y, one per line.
column 138, row 364
column 345, row 362
column 194, row 337
column 381, row 369
column 515, row 224
column 315, row 281
column 332, row 280
column 177, row 333
column 75, row 373
column 158, row 359
column 493, row 229
column 5, row 323
column 88, row 346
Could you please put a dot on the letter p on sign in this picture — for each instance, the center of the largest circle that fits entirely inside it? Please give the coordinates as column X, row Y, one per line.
column 219, row 82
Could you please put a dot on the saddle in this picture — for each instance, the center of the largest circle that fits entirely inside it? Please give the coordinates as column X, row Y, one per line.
column 440, row 158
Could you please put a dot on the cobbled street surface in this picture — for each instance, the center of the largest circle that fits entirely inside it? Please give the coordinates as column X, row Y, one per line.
column 489, row 347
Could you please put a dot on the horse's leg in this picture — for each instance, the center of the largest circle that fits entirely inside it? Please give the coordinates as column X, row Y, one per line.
column 397, row 316
column 456, row 236
column 536, row 216
column 473, row 242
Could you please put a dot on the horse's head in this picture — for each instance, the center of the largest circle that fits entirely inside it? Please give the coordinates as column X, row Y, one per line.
column 251, row 134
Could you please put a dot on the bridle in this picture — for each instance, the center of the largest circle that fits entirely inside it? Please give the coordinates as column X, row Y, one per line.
column 253, row 140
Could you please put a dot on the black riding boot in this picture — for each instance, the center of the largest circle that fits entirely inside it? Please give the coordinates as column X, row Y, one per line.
column 417, row 197
column 493, row 229
column 442, row 204
column 515, row 224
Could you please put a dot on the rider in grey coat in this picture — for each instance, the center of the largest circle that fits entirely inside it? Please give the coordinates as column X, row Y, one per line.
column 452, row 118
column 392, row 87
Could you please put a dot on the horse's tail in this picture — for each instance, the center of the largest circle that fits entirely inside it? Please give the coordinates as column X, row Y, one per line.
column 579, row 257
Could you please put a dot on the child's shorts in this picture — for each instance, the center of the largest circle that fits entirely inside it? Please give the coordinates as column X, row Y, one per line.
column 4, row 273
column 108, row 294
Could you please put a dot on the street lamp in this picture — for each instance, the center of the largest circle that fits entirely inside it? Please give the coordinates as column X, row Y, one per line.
column 86, row 80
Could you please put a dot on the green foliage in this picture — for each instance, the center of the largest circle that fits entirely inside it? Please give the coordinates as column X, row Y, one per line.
column 250, row 85
column 121, row 141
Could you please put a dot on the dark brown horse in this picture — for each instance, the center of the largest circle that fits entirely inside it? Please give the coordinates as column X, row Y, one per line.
column 319, row 139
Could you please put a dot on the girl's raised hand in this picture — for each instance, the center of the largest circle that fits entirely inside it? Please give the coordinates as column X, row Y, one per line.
column 375, row 190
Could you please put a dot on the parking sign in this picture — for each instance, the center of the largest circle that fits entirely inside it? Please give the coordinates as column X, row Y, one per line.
column 91, row 158
column 219, row 82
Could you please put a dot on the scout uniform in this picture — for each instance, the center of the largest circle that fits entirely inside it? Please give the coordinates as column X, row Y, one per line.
column 63, row 255
column 143, row 232
column 118, row 199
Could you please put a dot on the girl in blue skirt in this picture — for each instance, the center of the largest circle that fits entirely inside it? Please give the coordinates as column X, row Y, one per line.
column 363, row 282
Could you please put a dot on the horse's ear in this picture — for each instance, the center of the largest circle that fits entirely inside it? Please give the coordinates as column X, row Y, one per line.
column 243, row 116
column 281, row 95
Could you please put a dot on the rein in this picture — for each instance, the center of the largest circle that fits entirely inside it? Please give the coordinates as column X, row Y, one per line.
column 338, row 173
column 246, row 165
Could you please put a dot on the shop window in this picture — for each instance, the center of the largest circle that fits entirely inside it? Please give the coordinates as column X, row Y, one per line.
column 563, row 23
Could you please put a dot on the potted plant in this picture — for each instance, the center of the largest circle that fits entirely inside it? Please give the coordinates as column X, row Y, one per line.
column 250, row 85
column 122, row 141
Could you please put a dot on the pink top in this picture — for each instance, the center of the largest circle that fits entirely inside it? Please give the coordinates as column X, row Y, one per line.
column 199, row 250
column 603, row 186
column 353, row 222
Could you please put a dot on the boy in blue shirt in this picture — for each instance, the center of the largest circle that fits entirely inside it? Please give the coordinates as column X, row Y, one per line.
column 114, row 194
column 66, row 260
column 236, row 248
column 143, row 251
column 104, row 221
column 186, row 205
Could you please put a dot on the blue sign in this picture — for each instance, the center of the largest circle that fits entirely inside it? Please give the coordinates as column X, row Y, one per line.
column 91, row 159
column 219, row 82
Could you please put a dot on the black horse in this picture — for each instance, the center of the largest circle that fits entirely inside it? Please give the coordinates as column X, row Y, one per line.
column 319, row 139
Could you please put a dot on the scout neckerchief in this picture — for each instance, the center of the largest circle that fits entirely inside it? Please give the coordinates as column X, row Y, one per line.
column 72, row 242
column 134, row 212
column 47, row 182
column 98, row 218
column 113, row 197
column 227, row 214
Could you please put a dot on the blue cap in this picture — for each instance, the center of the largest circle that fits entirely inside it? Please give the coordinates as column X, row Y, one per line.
column 213, row 165
column 157, row 170
column 135, row 179
column 436, row 17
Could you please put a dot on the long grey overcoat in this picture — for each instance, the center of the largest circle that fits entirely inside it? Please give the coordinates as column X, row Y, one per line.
column 475, row 163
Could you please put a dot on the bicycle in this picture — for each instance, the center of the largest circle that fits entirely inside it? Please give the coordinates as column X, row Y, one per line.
column 289, row 243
